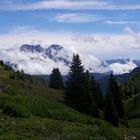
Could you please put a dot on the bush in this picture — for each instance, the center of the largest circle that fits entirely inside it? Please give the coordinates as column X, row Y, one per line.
column 109, row 132
column 14, row 109
column 43, row 108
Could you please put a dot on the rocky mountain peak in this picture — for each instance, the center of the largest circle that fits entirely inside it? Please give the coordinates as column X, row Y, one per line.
column 55, row 47
column 34, row 59
column 31, row 48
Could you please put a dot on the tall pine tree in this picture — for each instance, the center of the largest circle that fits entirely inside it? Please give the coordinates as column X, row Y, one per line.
column 77, row 90
column 110, row 113
column 96, row 93
column 115, row 90
column 90, row 101
column 56, row 80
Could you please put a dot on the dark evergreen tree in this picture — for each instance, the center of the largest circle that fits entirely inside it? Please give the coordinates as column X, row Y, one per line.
column 77, row 89
column 22, row 75
column 96, row 93
column 17, row 75
column 1, row 63
column 11, row 76
column 89, row 100
column 74, row 83
column 110, row 113
column 115, row 91
column 56, row 80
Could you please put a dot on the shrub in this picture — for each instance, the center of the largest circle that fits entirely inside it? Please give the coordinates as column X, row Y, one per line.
column 107, row 131
column 14, row 109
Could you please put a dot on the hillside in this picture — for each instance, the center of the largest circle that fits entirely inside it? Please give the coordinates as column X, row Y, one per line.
column 32, row 111
column 131, row 86
column 131, row 94
column 132, row 106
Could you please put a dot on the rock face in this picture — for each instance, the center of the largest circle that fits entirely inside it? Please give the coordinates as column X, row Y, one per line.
column 35, row 59
column 58, row 54
column 31, row 48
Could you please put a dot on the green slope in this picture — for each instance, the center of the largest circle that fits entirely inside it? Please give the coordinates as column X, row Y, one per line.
column 132, row 86
column 132, row 107
column 32, row 111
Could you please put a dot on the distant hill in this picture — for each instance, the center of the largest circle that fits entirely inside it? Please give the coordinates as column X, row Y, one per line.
column 102, row 78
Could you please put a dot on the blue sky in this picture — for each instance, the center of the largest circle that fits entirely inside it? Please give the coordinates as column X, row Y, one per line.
column 111, row 22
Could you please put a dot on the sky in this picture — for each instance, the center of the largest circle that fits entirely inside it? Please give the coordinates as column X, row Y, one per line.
column 107, row 29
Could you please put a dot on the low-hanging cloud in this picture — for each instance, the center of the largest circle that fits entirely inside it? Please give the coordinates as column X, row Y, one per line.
column 40, row 63
column 102, row 45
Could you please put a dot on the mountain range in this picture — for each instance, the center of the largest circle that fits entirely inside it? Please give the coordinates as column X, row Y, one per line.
column 35, row 59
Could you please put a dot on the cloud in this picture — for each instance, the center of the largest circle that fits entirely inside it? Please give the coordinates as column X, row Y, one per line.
column 77, row 18
column 53, row 4
column 40, row 63
column 67, row 4
column 84, row 38
column 136, row 38
column 31, row 63
column 118, row 68
column 103, row 45
column 120, row 22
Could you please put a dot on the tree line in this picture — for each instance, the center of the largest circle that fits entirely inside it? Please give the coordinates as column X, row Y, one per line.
column 83, row 93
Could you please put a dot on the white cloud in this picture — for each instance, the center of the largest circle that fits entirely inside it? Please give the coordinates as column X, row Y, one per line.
column 136, row 38
column 53, row 4
column 77, row 18
column 40, row 63
column 31, row 63
column 118, row 68
column 84, row 38
column 126, row 44
column 67, row 4
column 120, row 22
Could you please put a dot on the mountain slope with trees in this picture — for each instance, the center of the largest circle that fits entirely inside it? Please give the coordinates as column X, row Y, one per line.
column 131, row 86
column 29, row 109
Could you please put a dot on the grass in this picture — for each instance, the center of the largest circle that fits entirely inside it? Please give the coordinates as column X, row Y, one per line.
column 37, row 128
column 49, row 117
column 27, row 89
column 4, row 73
column 134, row 123
column 44, row 108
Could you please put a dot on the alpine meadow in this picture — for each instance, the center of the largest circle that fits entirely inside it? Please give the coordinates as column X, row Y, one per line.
column 69, row 70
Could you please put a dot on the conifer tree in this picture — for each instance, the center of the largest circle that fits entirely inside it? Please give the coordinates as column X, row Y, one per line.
column 96, row 93
column 74, row 83
column 89, row 100
column 110, row 113
column 22, row 75
column 11, row 76
column 17, row 75
column 115, row 90
column 1, row 63
column 77, row 89
column 56, row 80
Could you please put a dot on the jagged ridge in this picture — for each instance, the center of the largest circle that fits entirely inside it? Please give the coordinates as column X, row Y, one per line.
column 35, row 59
